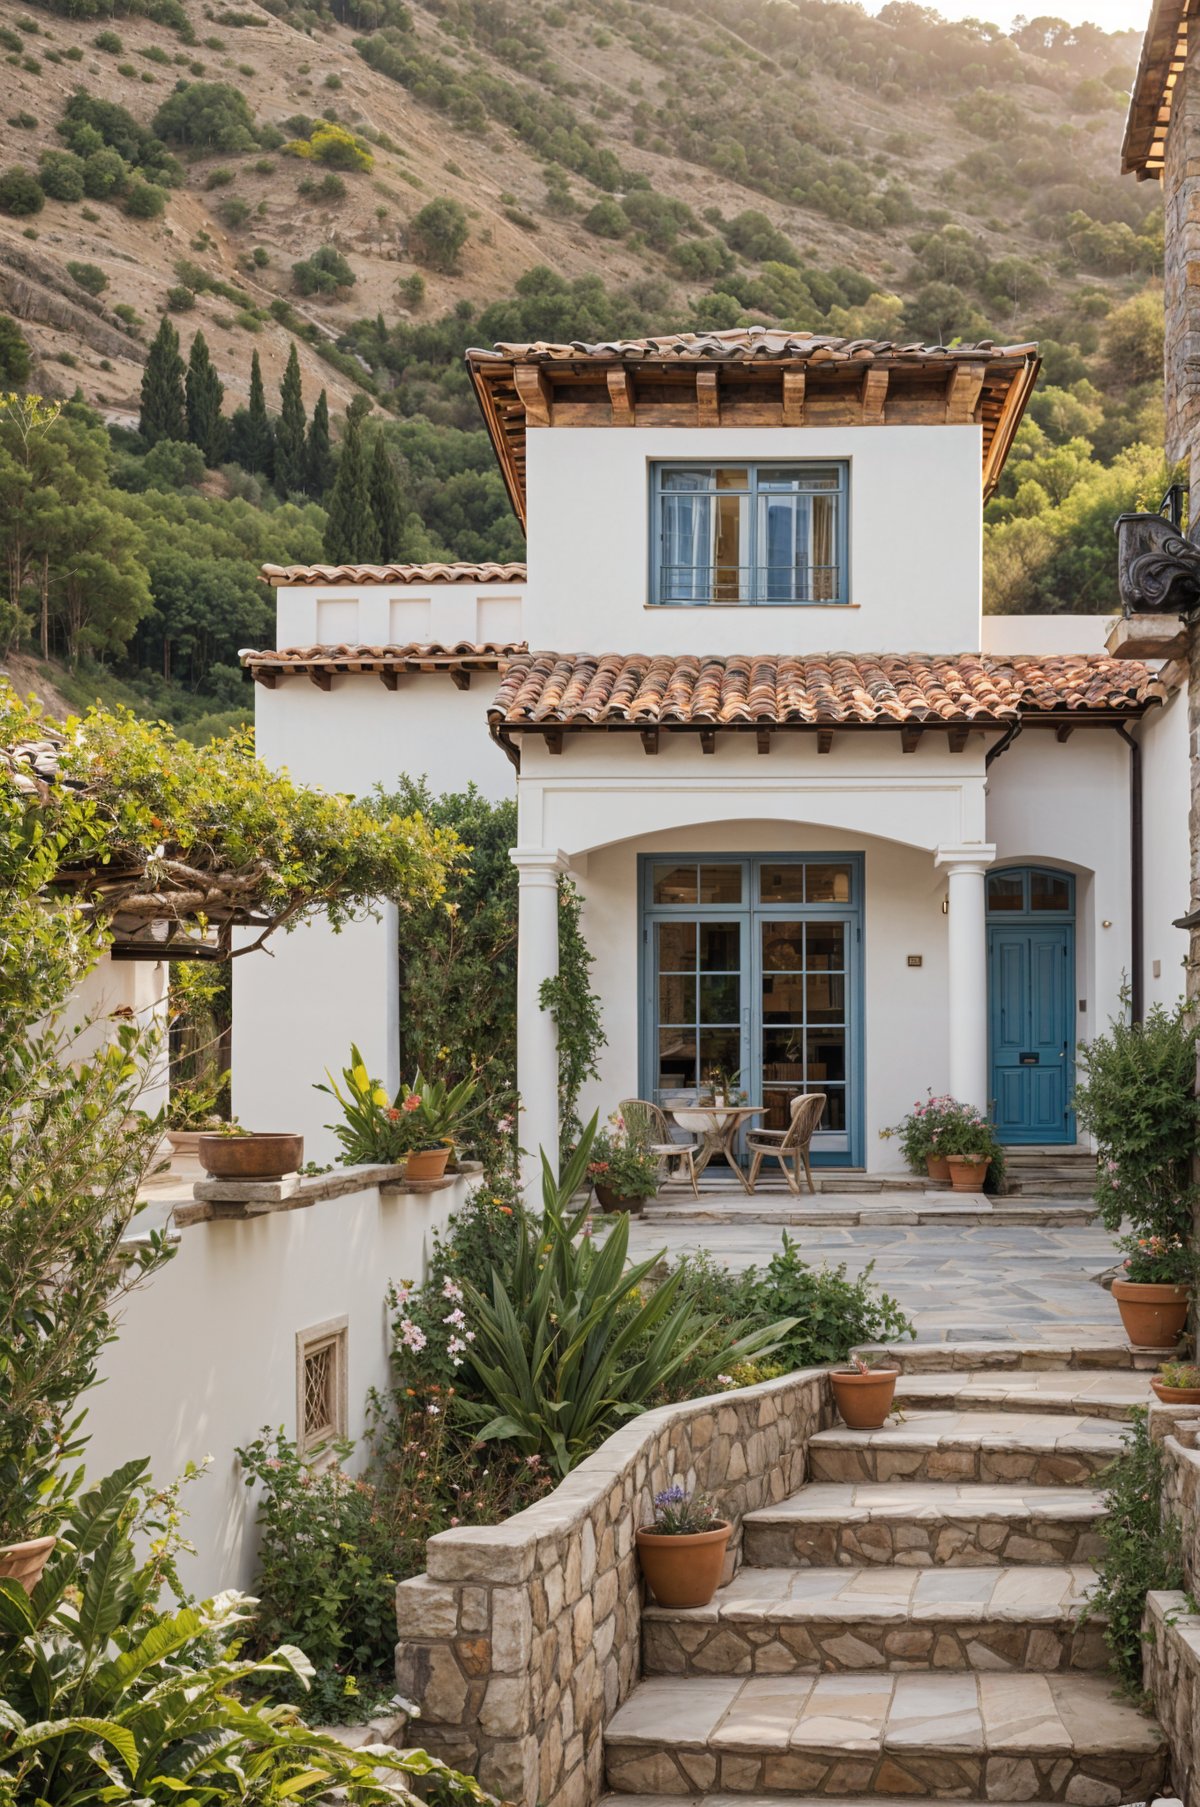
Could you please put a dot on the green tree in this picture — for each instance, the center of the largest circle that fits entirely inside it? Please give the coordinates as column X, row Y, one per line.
column 438, row 234
column 204, row 392
column 163, row 413
column 14, row 353
column 211, row 116
column 61, row 175
column 318, row 450
column 387, row 505
column 253, row 437
column 323, row 273
column 351, row 531
column 20, row 192
column 290, row 460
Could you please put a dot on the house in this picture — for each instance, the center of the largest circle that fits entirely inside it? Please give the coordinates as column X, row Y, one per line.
column 834, row 828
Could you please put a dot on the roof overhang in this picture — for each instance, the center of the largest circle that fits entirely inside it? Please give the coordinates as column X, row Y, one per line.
column 749, row 378
column 322, row 664
column 1164, row 52
column 330, row 576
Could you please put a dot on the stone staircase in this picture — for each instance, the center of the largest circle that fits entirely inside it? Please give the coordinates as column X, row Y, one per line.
column 909, row 1625
column 1056, row 1173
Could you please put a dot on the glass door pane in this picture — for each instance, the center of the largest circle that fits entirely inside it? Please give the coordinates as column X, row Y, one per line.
column 698, row 1005
column 804, row 1020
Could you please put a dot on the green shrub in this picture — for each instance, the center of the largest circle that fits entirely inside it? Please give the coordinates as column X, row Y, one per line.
column 20, row 192
column 180, row 299
column 208, row 116
column 234, row 212
column 105, row 173
column 329, row 188
column 1142, row 1549
column 89, row 276
column 1136, row 1094
column 607, row 219
column 109, row 42
column 22, row 122
column 323, row 273
column 144, row 200
column 438, row 234
column 14, row 353
column 61, row 174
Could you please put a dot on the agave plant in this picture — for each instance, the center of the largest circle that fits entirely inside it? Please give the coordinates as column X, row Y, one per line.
column 106, row 1698
column 569, row 1345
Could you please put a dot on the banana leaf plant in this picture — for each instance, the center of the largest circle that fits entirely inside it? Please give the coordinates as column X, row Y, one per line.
column 569, row 1345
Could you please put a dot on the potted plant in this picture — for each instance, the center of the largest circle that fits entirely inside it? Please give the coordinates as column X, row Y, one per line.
column 1178, row 1383
column 863, row 1394
column 233, row 1153
column 970, row 1145
column 622, row 1169
column 418, row 1126
column 682, row 1552
column 192, row 1109
column 919, row 1135
column 1154, row 1289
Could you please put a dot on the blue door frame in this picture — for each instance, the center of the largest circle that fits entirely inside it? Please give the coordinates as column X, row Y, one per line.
column 841, row 921
column 1031, row 1009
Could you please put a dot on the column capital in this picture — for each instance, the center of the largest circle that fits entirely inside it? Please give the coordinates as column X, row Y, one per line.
column 973, row 856
column 538, row 865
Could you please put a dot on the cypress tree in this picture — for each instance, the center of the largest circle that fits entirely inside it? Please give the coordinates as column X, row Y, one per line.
column 204, row 394
column 386, row 504
column 290, row 460
column 253, row 436
column 162, row 415
column 351, row 535
column 318, row 453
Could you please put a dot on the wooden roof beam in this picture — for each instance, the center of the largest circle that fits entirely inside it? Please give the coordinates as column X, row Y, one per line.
column 322, row 679
column 268, row 679
column 962, row 394
column 649, row 740
column 763, row 737
column 460, row 679
column 708, row 740
column 533, row 387
column 957, row 738
column 910, row 739
column 390, row 677
column 1064, row 731
column 824, row 740
column 874, row 397
column 554, row 740
column 622, row 398
column 793, row 397
column 708, row 399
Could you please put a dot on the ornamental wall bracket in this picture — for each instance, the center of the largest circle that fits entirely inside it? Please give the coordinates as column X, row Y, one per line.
column 1158, row 566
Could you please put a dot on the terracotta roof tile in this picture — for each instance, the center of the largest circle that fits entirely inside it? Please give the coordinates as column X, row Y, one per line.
column 821, row 690
column 326, row 575
column 743, row 343
column 433, row 655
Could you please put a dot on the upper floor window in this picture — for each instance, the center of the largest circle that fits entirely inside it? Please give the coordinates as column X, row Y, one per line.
column 748, row 533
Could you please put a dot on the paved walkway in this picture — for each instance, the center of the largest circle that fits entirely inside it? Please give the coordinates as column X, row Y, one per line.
column 958, row 1283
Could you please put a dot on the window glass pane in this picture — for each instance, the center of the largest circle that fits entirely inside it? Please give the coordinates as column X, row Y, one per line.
column 834, row 1115
column 1049, row 891
column 826, row 947
column 826, row 998
column 676, row 1058
column 827, row 884
column 778, row 1102
column 826, row 1056
column 676, row 998
column 783, row 998
column 720, row 884
column 725, row 582
column 676, row 947
column 783, row 1054
column 674, row 884
column 1006, row 891
column 783, row 947
column 797, row 477
column 719, row 1051
column 720, row 1000
column 720, row 947
column 781, row 884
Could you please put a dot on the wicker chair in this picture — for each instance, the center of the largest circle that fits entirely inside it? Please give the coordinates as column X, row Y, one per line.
column 788, row 1146
column 647, row 1122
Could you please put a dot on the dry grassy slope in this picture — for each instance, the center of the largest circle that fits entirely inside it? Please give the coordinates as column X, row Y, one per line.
column 139, row 257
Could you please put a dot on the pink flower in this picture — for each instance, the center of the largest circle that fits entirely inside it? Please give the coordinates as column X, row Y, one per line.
column 411, row 1103
column 393, row 1115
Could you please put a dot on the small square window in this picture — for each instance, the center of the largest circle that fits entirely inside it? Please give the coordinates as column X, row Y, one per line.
column 321, row 1390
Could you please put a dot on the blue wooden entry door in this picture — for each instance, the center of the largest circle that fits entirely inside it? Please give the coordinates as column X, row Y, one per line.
column 1031, row 960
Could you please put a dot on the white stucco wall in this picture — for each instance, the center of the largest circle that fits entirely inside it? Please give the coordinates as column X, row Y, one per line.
column 1009, row 634
column 1167, row 885
column 207, row 1349
column 137, row 985
column 911, row 588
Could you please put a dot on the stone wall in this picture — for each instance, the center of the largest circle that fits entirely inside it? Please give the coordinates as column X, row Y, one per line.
column 1181, row 268
column 1171, row 1659
column 522, row 1639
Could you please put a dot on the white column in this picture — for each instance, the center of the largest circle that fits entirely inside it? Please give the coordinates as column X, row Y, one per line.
column 537, row 1037
column 966, row 870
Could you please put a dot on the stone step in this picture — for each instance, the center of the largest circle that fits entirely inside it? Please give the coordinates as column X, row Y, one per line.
column 1091, row 1395
column 1047, row 1449
column 964, row 1736
column 916, row 1525
column 975, row 1358
column 787, row 1621
column 792, row 1800
column 834, row 1212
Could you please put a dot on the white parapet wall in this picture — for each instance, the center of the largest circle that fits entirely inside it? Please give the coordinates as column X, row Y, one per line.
column 211, row 1348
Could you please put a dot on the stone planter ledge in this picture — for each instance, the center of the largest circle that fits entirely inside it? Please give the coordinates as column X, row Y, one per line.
column 216, row 1199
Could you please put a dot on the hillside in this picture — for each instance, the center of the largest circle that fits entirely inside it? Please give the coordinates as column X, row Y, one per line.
column 471, row 170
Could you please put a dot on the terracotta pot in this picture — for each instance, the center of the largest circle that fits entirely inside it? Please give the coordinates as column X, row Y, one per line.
column 184, row 1141
column 24, row 1562
column 1176, row 1395
column 864, row 1400
column 262, row 1156
column 614, row 1201
column 426, row 1163
column 1153, row 1316
column 937, row 1167
column 683, row 1571
column 967, row 1175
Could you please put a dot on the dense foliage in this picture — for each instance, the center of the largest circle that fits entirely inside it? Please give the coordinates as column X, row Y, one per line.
column 1142, row 1551
column 1136, row 1094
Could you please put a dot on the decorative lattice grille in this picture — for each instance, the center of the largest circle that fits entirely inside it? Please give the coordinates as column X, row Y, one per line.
column 320, row 1392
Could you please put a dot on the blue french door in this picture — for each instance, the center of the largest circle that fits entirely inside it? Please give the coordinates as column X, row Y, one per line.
column 1031, row 964
column 752, row 976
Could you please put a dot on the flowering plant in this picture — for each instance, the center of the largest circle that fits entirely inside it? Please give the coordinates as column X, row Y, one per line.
column 1179, row 1374
column 376, row 1128
column 1157, row 1260
column 920, row 1131
column 678, row 1513
column 622, row 1162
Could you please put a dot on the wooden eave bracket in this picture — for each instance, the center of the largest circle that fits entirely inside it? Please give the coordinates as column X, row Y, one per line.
column 533, row 387
column 708, row 740
column 322, row 679
column 649, row 740
column 957, row 737
column 763, row 737
column 708, row 399
column 824, row 740
column 554, row 740
column 622, row 398
column 874, row 397
column 910, row 738
column 794, row 384
column 460, row 679
column 962, row 394
column 268, row 679
column 389, row 677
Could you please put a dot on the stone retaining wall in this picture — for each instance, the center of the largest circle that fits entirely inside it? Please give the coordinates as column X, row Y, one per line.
column 1171, row 1650
column 522, row 1639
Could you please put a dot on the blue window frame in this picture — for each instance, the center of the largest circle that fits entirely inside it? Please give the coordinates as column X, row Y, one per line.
column 754, row 965
column 757, row 534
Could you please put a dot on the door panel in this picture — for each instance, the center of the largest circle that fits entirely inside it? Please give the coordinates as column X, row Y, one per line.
column 1031, row 973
